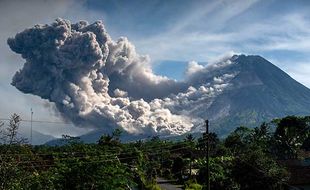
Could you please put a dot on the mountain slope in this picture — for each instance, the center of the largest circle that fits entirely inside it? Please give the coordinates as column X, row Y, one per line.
column 254, row 91
column 259, row 92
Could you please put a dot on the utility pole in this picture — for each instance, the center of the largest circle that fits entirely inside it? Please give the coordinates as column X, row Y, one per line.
column 31, row 126
column 190, row 165
column 207, row 155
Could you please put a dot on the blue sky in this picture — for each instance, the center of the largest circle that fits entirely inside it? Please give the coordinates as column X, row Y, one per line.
column 171, row 32
column 183, row 30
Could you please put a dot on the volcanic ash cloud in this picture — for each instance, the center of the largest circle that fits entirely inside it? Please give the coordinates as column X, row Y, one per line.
column 93, row 80
column 97, row 82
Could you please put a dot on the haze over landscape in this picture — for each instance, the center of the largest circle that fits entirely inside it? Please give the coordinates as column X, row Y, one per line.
column 161, row 78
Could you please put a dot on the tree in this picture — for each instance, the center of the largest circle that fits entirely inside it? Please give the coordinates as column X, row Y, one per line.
column 289, row 136
column 1, row 132
column 116, row 134
column 306, row 144
column 239, row 140
column 189, row 138
column 105, row 139
column 220, row 173
column 255, row 170
column 9, row 134
column 10, row 174
column 178, row 167
column 113, row 139
column 92, row 173
column 262, row 137
column 71, row 140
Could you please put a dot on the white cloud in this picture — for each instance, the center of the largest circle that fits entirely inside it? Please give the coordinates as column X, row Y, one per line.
column 181, row 42
column 192, row 68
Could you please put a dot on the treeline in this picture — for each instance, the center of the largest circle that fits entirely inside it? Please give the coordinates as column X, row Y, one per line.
column 247, row 159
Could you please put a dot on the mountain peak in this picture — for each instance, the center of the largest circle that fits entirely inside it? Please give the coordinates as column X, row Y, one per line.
column 259, row 91
column 249, row 59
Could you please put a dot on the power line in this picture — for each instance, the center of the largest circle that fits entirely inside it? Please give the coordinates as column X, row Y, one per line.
column 86, row 156
column 89, row 153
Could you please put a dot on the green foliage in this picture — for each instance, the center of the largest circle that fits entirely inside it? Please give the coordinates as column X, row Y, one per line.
column 245, row 160
column 192, row 185
column 153, row 187
column 71, row 140
column 220, row 173
column 213, row 141
column 290, row 135
column 189, row 138
column 113, row 140
column 257, row 170
column 253, row 166
column 239, row 140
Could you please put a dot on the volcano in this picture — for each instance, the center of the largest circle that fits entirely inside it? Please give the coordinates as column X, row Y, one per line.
column 256, row 92
column 259, row 92
column 103, row 84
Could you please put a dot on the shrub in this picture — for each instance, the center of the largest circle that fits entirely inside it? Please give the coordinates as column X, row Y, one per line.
column 190, row 185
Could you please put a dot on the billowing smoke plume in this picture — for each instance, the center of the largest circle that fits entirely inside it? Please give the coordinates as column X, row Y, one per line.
column 95, row 81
